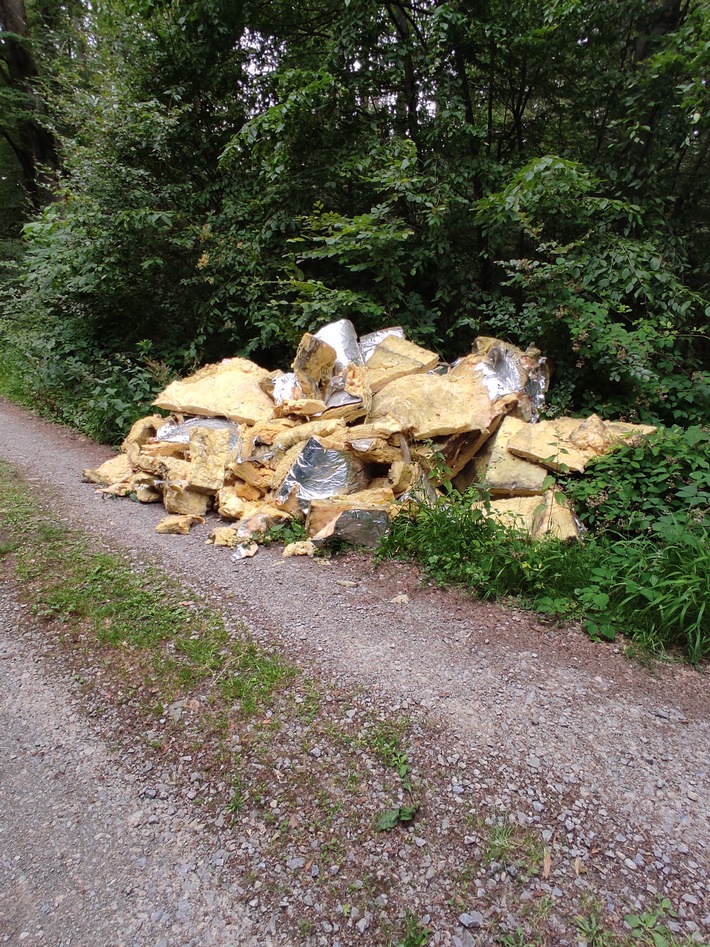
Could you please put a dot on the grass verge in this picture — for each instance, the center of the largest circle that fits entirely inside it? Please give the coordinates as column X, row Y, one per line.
column 273, row 749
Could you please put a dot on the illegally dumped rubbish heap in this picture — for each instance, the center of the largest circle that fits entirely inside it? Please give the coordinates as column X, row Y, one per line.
column 350, row 433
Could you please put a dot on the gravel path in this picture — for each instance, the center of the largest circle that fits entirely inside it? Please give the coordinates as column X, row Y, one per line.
column 86, row 857
column 590, row 744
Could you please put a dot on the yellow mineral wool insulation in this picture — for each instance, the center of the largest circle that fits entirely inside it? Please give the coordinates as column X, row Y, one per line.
column 256, row 475
column 541, row 517
column 438, row 405
column 568, row 444
column 178, row 525
column 179, row 499
column 400, row 477
column 111, row 471
column 139, row 434
column 501, row 472
column 313, row 365
column 210, row 452
column 225, row 536
column 396, row 358
column 230, row 505
column 301, row 548
column 229, row 389
column 297, row 435
column 300, row 408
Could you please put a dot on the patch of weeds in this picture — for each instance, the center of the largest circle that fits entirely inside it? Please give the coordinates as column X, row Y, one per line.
column 510, row 844
column 205, row 652
column 100, row 595
column 237, row 797
column 353, row 782
column 332, row 851
column 518, row 938
column 648, row 928
column 591, row 930
column 461, row 887
column 308, row 703
column 414, row 934
column 287, row 531
column 384, row 741
column 641, row 484
column 539, row 910
column 253, row 677
column 501, row 844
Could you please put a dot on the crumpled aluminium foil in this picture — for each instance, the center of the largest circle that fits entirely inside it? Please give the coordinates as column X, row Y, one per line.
column 283, row 387
column 244, row 551
column 360, row 527
column 342, row 337
column 320, row 472
column 506, row 372
column 180, row 433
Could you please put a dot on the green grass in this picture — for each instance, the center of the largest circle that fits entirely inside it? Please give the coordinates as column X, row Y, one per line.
column 648, row 929
column 252, row 676
column 507, row 843
column 414, row 934
column 101, row 595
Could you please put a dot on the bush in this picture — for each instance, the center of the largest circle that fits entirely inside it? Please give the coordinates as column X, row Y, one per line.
column 70, row 381
column 658, row 485
column 652, row 590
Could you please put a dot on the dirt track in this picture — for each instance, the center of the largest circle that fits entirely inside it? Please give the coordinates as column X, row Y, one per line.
column 618, row 750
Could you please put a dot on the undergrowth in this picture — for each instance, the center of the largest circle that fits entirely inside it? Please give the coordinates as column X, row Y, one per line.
column 651, row 587
column 656, row 487
column 71, row 382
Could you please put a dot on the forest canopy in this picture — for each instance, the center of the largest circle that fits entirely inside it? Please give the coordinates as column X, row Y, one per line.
column 213, row 178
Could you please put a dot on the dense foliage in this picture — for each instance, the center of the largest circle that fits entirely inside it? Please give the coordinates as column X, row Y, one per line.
column 233, row 173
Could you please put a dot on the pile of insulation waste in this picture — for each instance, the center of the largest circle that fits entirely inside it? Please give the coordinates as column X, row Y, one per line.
column 343, row 440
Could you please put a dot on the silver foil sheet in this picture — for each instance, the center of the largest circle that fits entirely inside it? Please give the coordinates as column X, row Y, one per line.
column 320, row 472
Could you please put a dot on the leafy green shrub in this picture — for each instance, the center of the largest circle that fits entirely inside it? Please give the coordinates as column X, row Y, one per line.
column 287, row 531
column 600, row 289
column 71, row 381
column 652, row 590
column 659, row 485
column 458, row 545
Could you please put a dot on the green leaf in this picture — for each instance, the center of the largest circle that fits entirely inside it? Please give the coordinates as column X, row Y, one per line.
column 387, row 821
column 392, row 817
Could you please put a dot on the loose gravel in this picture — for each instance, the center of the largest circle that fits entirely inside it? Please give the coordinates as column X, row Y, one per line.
column 86, row 856
column 604, row 761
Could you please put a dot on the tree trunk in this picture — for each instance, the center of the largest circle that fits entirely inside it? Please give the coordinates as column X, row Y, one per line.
column 404, row 29
column 34, row 146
